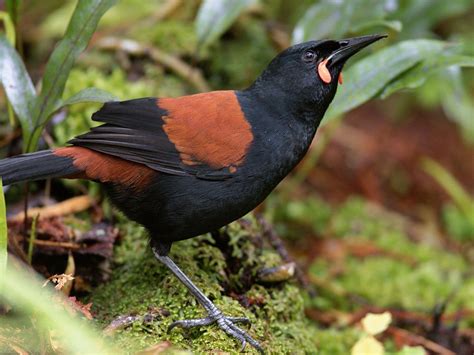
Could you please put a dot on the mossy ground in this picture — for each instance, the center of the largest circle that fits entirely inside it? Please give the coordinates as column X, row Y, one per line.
column 414, row 273
column 140, row 284
column 426, row 276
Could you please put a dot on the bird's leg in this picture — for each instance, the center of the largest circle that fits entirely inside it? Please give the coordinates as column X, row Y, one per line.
column 227, row 324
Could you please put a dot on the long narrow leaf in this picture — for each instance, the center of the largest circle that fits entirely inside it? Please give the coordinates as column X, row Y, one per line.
column 334, row 19
column 418, row 75
column 88, row 95
column 9, row 27
column 3, row 237
column 215, row 17
column 82, row 25
column 23, row 291
column 369, row 76
column 458, row 103
column 13, row 7
column 319, row 22
column 455, row 190
column 16, row 83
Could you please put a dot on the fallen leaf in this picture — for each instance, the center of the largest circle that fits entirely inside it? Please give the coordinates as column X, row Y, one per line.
column 376, row 323
column 157, row 348
column 18, row 350
column 367, row 345
column 59, row 280
column 78, row 306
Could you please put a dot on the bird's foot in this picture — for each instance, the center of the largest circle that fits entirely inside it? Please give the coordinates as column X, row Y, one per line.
column 227, row 324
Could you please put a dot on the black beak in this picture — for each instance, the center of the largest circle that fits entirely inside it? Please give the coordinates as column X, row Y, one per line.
column 350, row 46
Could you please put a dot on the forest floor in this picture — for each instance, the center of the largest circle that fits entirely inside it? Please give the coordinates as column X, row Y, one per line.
column 365, row 228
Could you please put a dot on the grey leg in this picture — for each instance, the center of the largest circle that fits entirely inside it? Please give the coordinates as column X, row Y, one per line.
column 227, row 324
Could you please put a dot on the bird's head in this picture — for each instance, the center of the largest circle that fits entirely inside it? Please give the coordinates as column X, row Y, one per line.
column 308, row 73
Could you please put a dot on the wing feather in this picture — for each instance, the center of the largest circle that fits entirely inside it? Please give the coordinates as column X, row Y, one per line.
column 133, row 130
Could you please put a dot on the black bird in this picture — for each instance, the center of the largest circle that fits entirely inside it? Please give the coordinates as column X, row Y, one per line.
column 186, row 166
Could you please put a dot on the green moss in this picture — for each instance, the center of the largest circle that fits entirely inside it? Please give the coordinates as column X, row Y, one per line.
column 336, row 341
column 234, row 64
column 402, row 274
column 140, row 282
column 293, row 217
column 78, row 118
column 457, row 224
column 390, row 283
column 172, row 36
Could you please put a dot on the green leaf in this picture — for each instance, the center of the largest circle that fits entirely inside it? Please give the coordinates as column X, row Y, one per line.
column 215, row 17
column 369, row 76
column 23, row 291
column 88, row 95
column 392, row 25
column 320, row 21
column 457, row 101
column 13, row 8
column 3, row 237
column 334, row 19
column 82, row 25
column 448, row 182
column 420, row 17
column 9, row 27
column 16, row 83
column 417, row 76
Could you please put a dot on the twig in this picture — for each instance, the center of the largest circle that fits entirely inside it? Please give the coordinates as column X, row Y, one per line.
column 50, row 243
column 73, row 205
column 414, row 340
column 182, row 69
column 276, row 242
column 31, row 242
column 16, row 249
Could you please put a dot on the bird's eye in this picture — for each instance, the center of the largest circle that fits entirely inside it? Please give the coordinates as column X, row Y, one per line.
column 309, row 56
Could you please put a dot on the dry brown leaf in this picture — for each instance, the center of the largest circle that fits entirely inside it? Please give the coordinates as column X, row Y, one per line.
column 59, row 280
column 18, row 350
column 78, row 306
column 156, row 349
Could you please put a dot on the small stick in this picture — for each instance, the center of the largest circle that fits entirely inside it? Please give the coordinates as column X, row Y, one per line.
column 73, row 205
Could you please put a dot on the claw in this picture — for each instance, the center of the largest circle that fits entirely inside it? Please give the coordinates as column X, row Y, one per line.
column 244, row 343
column 242, row 320
column 227, row 324
column 189, row 323
column 214, row 314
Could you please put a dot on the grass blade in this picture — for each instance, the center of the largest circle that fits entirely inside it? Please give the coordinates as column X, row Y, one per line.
column 88, row 95
column 215, row 17
column 3, row 237
column 82, row 25
column 369, row 76
column 25, row 293
column 16, row 83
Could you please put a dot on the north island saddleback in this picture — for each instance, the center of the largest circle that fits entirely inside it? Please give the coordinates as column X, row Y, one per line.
column 186, row 166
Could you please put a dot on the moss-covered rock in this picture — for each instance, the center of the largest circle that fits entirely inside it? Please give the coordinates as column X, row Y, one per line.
column 225, row 268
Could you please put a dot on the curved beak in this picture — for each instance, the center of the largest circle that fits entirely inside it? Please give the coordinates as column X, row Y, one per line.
column 350, row 46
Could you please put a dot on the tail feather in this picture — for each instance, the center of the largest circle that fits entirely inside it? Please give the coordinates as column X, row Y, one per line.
column 36, row 166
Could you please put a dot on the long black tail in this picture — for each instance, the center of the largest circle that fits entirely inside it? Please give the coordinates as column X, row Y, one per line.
column 35, row 166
